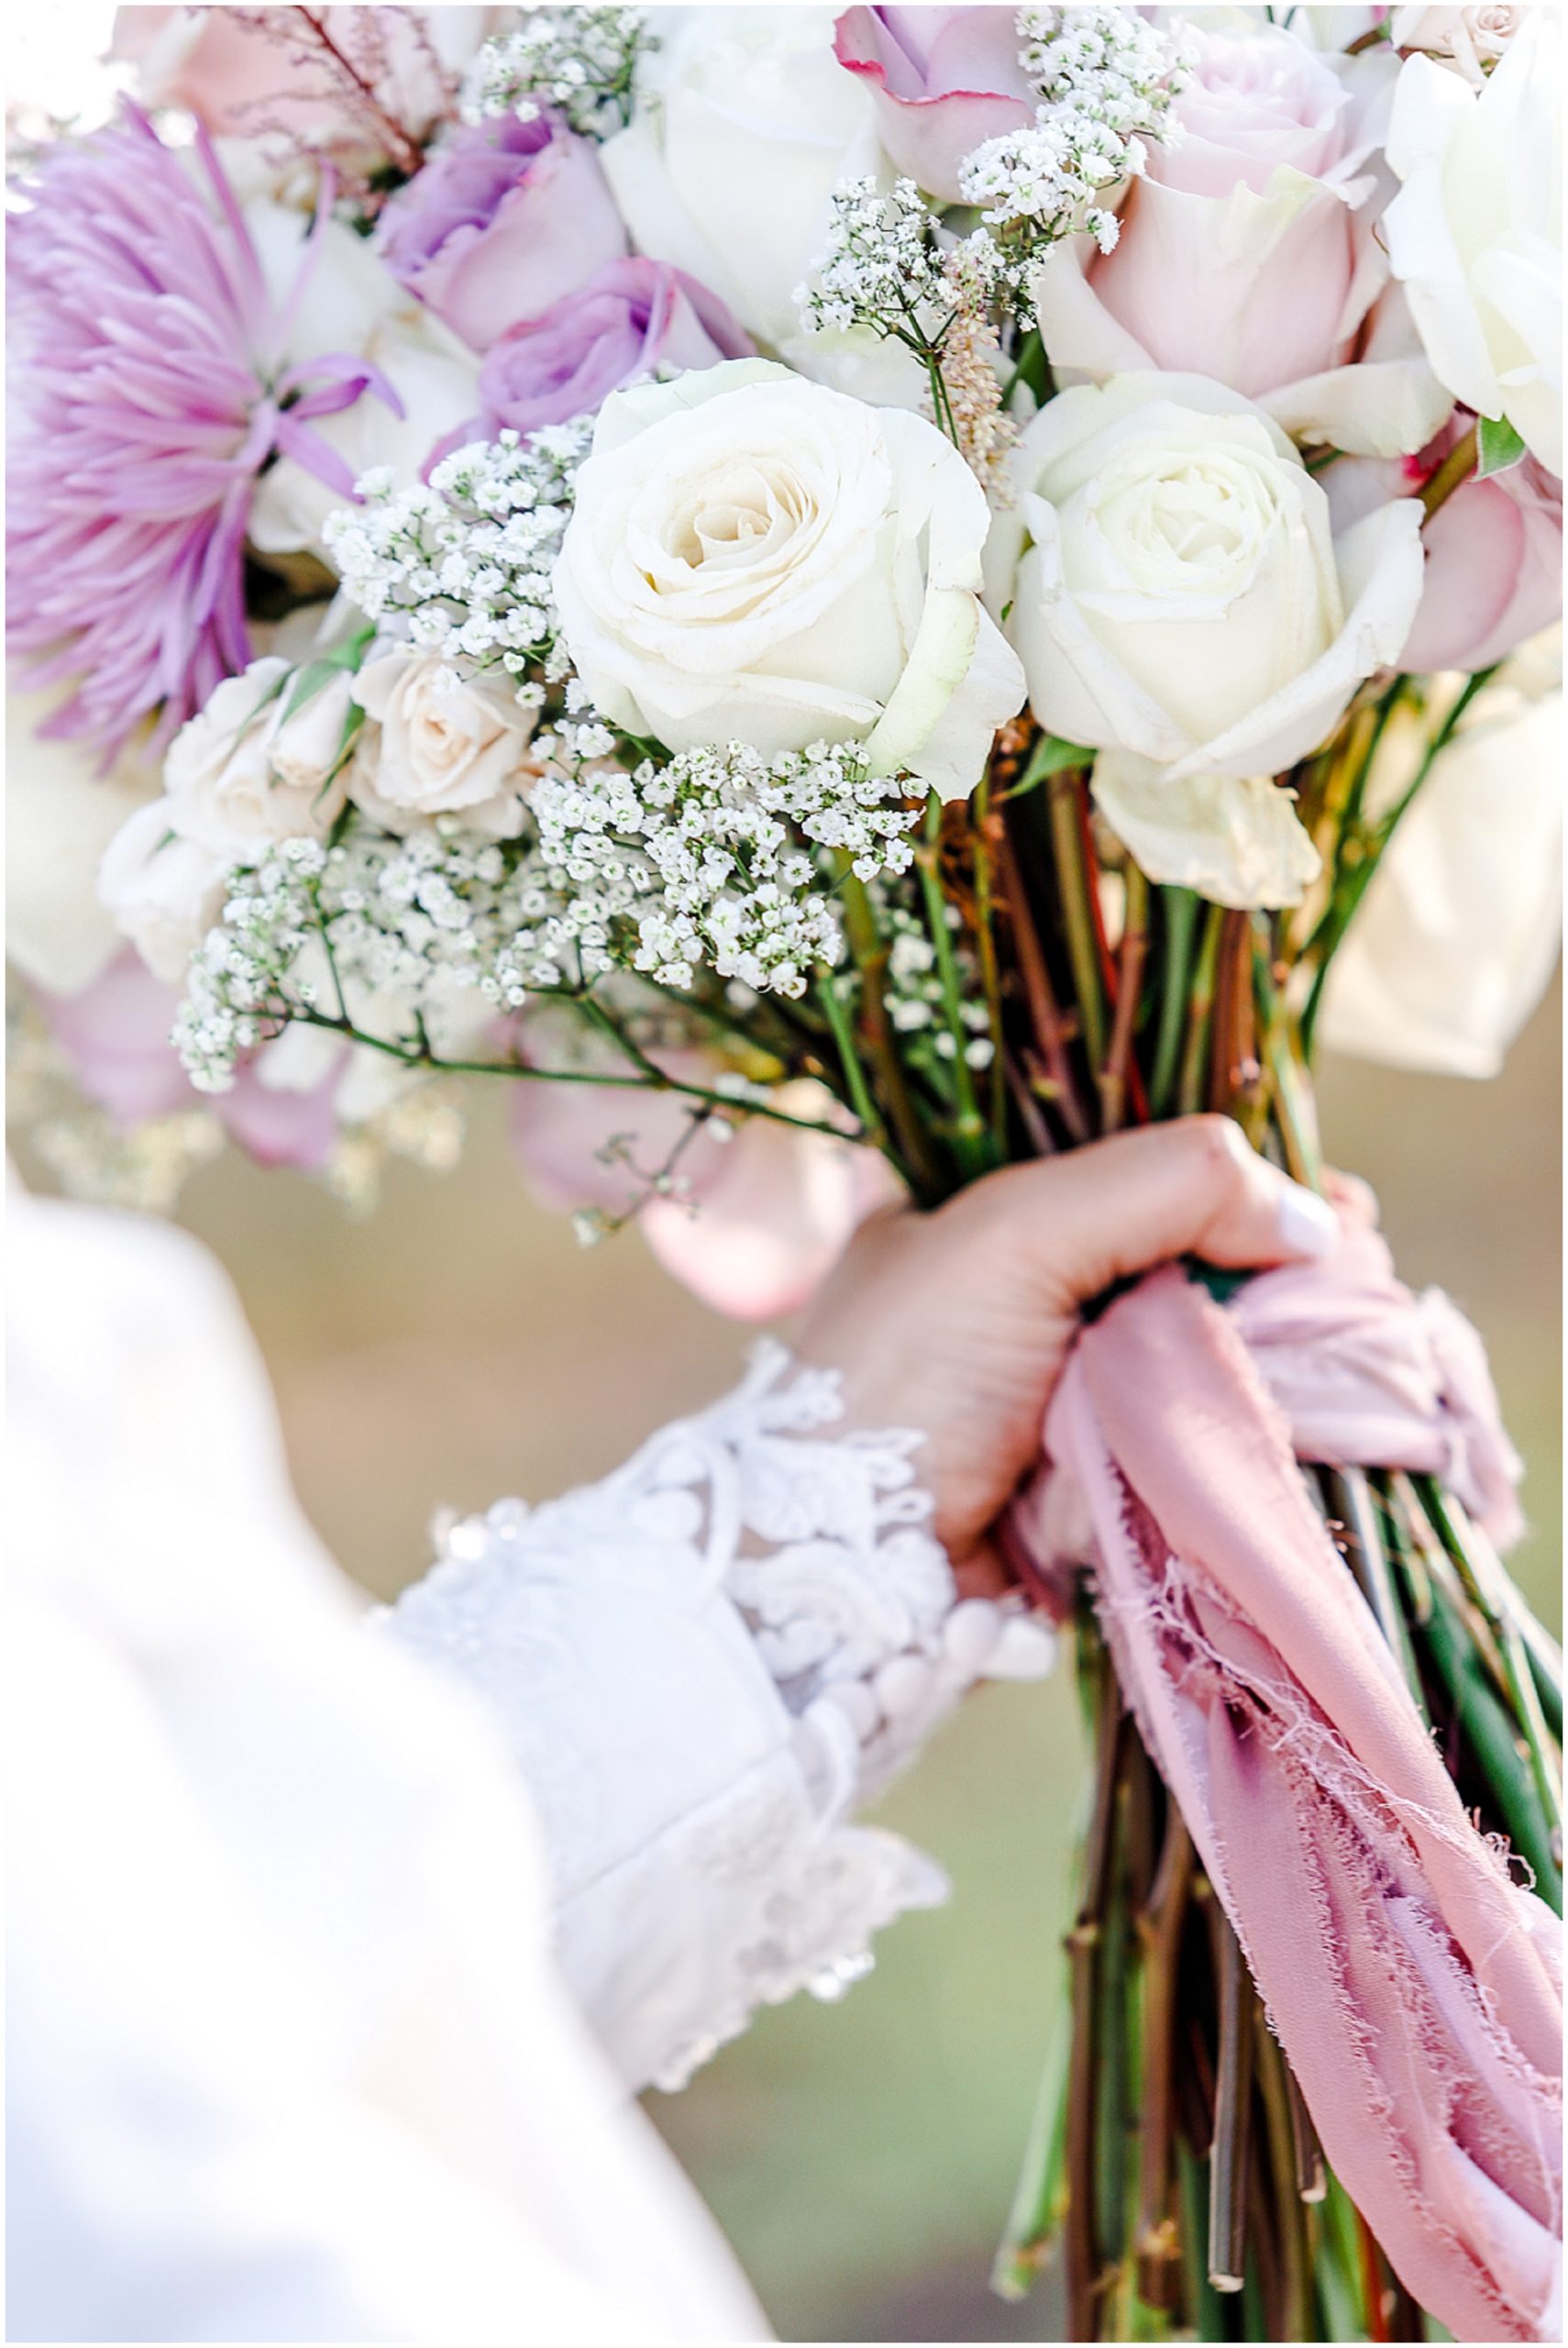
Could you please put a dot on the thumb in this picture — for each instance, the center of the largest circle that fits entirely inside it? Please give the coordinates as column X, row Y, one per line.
column 1192, row 1187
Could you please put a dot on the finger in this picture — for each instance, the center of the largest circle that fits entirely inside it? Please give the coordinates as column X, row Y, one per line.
column 1194, row 1187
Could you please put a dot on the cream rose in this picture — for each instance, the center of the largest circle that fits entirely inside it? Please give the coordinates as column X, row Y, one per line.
column 1475, row 232
column 247, row 770
column 440, row 744
column 758, row 558
column 1182, row 606
column 1452, row 946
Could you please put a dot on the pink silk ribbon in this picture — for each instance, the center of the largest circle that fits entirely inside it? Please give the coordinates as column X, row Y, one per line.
column 1415, row 1987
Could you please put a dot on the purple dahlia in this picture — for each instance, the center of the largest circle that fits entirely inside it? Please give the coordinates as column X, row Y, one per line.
column 150, row 390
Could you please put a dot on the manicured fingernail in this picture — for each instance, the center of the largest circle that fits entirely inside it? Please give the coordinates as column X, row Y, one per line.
column 1307, row 1225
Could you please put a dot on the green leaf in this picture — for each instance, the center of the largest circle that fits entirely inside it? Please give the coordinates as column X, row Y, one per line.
column 1051, row 755
column 1498, row 447
column 319, row 672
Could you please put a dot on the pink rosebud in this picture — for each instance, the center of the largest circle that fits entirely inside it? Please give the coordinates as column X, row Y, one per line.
column 942, row 79
column 1494, row 551
column 633, row 318
column 1494, row 574
column 506, row 219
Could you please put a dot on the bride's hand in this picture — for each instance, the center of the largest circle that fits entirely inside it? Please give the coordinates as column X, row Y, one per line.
column 957, row 1323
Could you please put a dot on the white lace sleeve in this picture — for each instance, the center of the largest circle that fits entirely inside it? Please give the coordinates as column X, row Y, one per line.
column 703, row 1664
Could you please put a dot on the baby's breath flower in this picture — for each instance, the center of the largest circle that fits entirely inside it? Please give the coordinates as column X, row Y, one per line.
column 462, row 565
column 709, row 862
column 580, row 61
column 1106, row 79
column 881, row 267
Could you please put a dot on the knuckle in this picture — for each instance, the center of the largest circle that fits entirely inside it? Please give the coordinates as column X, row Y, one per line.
column 1220, row 1152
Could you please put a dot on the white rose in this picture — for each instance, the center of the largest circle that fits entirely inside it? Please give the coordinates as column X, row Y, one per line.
column 1475, row 232
column 1452, row 946
column 755, row 558
column 1183, row 606
column 443, row 744
column 745, row 123
column 243, row 771
column 164, row 892
column 62, row 817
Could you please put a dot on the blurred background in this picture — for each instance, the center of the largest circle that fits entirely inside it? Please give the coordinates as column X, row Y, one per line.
column 456, row 1344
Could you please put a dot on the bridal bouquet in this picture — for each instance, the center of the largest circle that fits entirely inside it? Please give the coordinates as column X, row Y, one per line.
column 839, row 604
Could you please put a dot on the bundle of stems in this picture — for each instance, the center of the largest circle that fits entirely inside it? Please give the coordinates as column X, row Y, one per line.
column 1173, row 2168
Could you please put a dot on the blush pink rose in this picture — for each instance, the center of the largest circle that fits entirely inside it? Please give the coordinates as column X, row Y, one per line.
column 115, row 1039
column 943, row 81
column 506, row 219
column 763, row 1216
column 1249, row 253
column 635, row 318
column 1494, row 552
column 1238, row 251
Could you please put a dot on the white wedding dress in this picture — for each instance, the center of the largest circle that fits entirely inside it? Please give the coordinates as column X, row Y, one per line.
column 314, row 1926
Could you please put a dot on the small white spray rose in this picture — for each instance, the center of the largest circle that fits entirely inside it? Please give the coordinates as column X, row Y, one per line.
column 248, row 769
column 162, row 891
column 757, row 559
column 1181, row 604
column 442, row 745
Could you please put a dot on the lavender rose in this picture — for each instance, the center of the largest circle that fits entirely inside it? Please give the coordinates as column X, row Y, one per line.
column 943, row 81
column 635, row 318
column 505, row 219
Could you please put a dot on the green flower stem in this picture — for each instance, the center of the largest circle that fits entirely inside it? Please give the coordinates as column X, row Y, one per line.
column 915, row 1157
column 1492, row 1735
column 1228, row 2158
column 1481, row 1573
column 1178, row 927
column 1078, row 917
column 1160, row 1928
column 1039, row 2203
column 974, row 1151
column 855, row 1075
column 1350, row 1495
column 1452, row 473
column 1295, row 1116
column 985, row 826
column 1344, row 903
column 1199, row 1009
column 1285, row 2201
column 1131, row 954
column 726, row 1103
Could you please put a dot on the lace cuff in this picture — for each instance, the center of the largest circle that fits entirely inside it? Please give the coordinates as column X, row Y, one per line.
column 702, row 1664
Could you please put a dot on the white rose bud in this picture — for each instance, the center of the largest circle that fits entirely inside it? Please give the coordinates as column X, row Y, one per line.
column 444, row 745
column 1181, row 604
column 163, row 892
column 755, row 558
column 244, row 771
